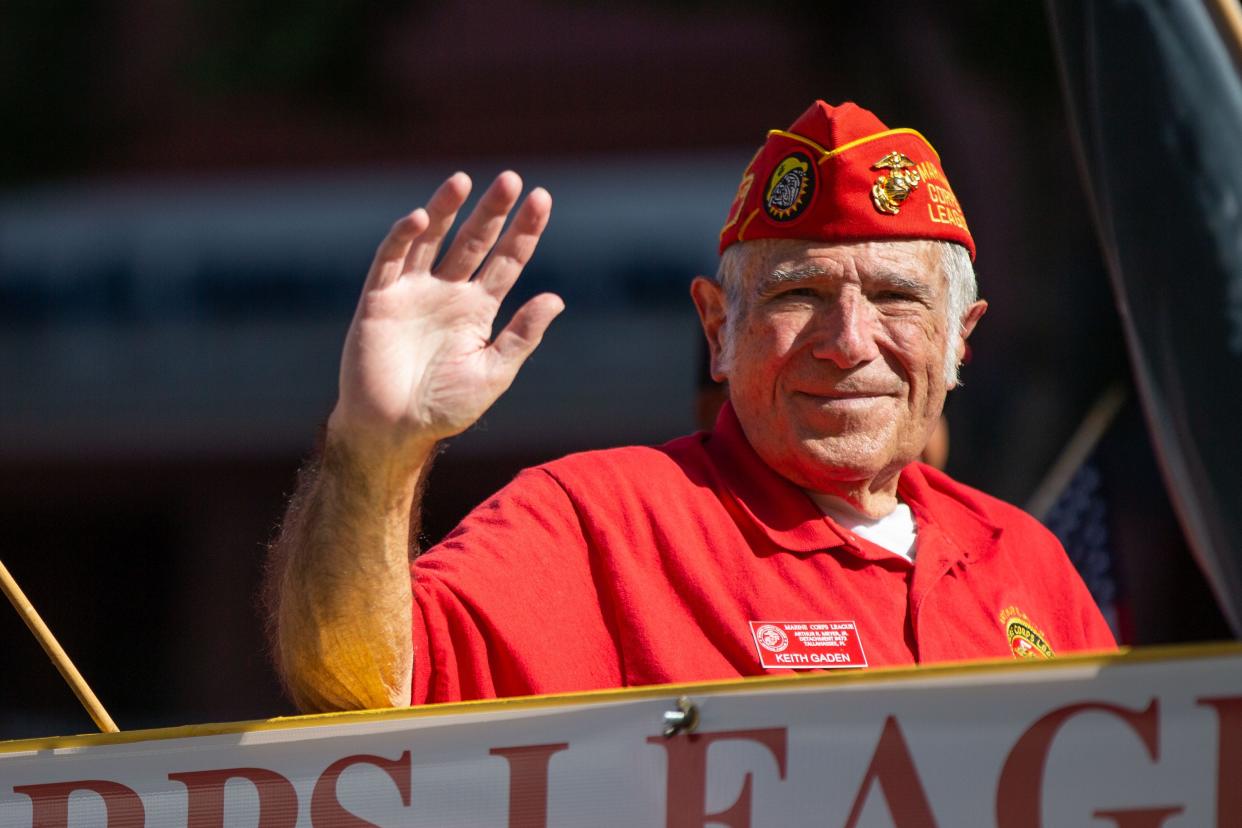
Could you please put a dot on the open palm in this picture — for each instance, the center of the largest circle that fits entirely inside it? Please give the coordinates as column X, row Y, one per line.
column 420, row 363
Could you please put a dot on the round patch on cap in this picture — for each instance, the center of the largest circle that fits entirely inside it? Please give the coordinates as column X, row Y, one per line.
column 790, row 187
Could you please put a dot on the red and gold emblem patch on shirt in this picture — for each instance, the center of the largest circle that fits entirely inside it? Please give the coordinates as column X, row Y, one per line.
column 1026, row 641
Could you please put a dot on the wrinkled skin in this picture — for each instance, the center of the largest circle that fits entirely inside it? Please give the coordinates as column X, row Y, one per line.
column 837, row 360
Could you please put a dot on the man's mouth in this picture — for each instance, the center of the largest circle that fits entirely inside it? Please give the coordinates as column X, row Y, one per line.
column 844, row 395
column 842, row 401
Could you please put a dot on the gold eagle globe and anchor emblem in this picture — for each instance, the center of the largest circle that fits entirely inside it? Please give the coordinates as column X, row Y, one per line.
column 894, row 186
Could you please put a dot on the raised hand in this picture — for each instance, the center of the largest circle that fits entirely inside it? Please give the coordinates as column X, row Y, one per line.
column 420, row 363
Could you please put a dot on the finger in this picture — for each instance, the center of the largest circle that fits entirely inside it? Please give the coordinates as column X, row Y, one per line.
column 390, row 256
column 441, row 212
column 525, row 331
column 517, row 245
column 479, row 233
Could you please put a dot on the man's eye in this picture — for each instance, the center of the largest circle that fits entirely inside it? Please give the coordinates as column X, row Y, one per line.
column 894, row 296
column 805, row 291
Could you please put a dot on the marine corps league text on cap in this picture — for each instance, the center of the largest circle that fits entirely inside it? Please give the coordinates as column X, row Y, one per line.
column 838, row 174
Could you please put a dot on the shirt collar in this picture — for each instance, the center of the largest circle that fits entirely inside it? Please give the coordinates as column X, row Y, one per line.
column 776, row 507
column 946, row 510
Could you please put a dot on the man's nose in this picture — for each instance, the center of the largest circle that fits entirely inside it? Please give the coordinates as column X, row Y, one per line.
column 846, row 332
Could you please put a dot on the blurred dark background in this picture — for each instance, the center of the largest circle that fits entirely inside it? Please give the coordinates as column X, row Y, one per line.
column 190, row 193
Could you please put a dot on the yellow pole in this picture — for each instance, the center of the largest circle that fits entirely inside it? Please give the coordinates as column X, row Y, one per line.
column 54, row 651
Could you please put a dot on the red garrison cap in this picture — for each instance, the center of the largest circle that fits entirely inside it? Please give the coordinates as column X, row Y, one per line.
column 839, row 175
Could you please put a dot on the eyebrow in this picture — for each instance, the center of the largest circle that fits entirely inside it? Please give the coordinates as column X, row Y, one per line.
column 885, row 278
column 892, row 279
column 780, row 277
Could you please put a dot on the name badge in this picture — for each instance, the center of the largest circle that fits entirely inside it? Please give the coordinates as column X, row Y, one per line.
column 808, row 645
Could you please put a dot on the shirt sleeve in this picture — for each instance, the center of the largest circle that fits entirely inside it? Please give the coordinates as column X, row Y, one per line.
column 508, row 604
column 1097, row 633
column 1078, row 609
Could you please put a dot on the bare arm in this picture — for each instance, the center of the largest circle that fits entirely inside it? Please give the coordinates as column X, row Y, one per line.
column 419, row 365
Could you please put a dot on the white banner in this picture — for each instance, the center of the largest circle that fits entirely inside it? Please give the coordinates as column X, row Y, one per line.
column 1139, row 740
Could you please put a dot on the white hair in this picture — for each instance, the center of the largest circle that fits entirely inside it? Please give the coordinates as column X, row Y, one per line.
column 959, row 271
column 738, row 258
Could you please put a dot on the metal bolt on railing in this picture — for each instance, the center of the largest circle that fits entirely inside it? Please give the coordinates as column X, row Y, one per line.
column 682, row 720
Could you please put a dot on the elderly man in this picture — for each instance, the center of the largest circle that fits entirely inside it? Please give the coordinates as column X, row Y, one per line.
column 799, row 533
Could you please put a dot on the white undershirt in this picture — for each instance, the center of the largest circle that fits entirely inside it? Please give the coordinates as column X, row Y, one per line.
column 896, row 531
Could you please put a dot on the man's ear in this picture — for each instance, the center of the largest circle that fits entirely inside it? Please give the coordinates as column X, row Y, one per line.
column 971, row 318
column 709, row 301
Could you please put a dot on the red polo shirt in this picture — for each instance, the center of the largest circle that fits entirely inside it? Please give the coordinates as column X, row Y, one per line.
column 644, row 565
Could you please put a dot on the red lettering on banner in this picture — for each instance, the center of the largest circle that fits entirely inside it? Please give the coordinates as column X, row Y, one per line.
column 326, row 809
column 893, row 768
column 1019, row 794
column 528, row 782
column 50, row 803
column 1139, row 817
column 278, row 801
column 1228, row 757
column 687, row 776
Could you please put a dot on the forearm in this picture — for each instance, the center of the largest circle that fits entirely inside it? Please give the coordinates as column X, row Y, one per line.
column 339, row 583
column 420, row 364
